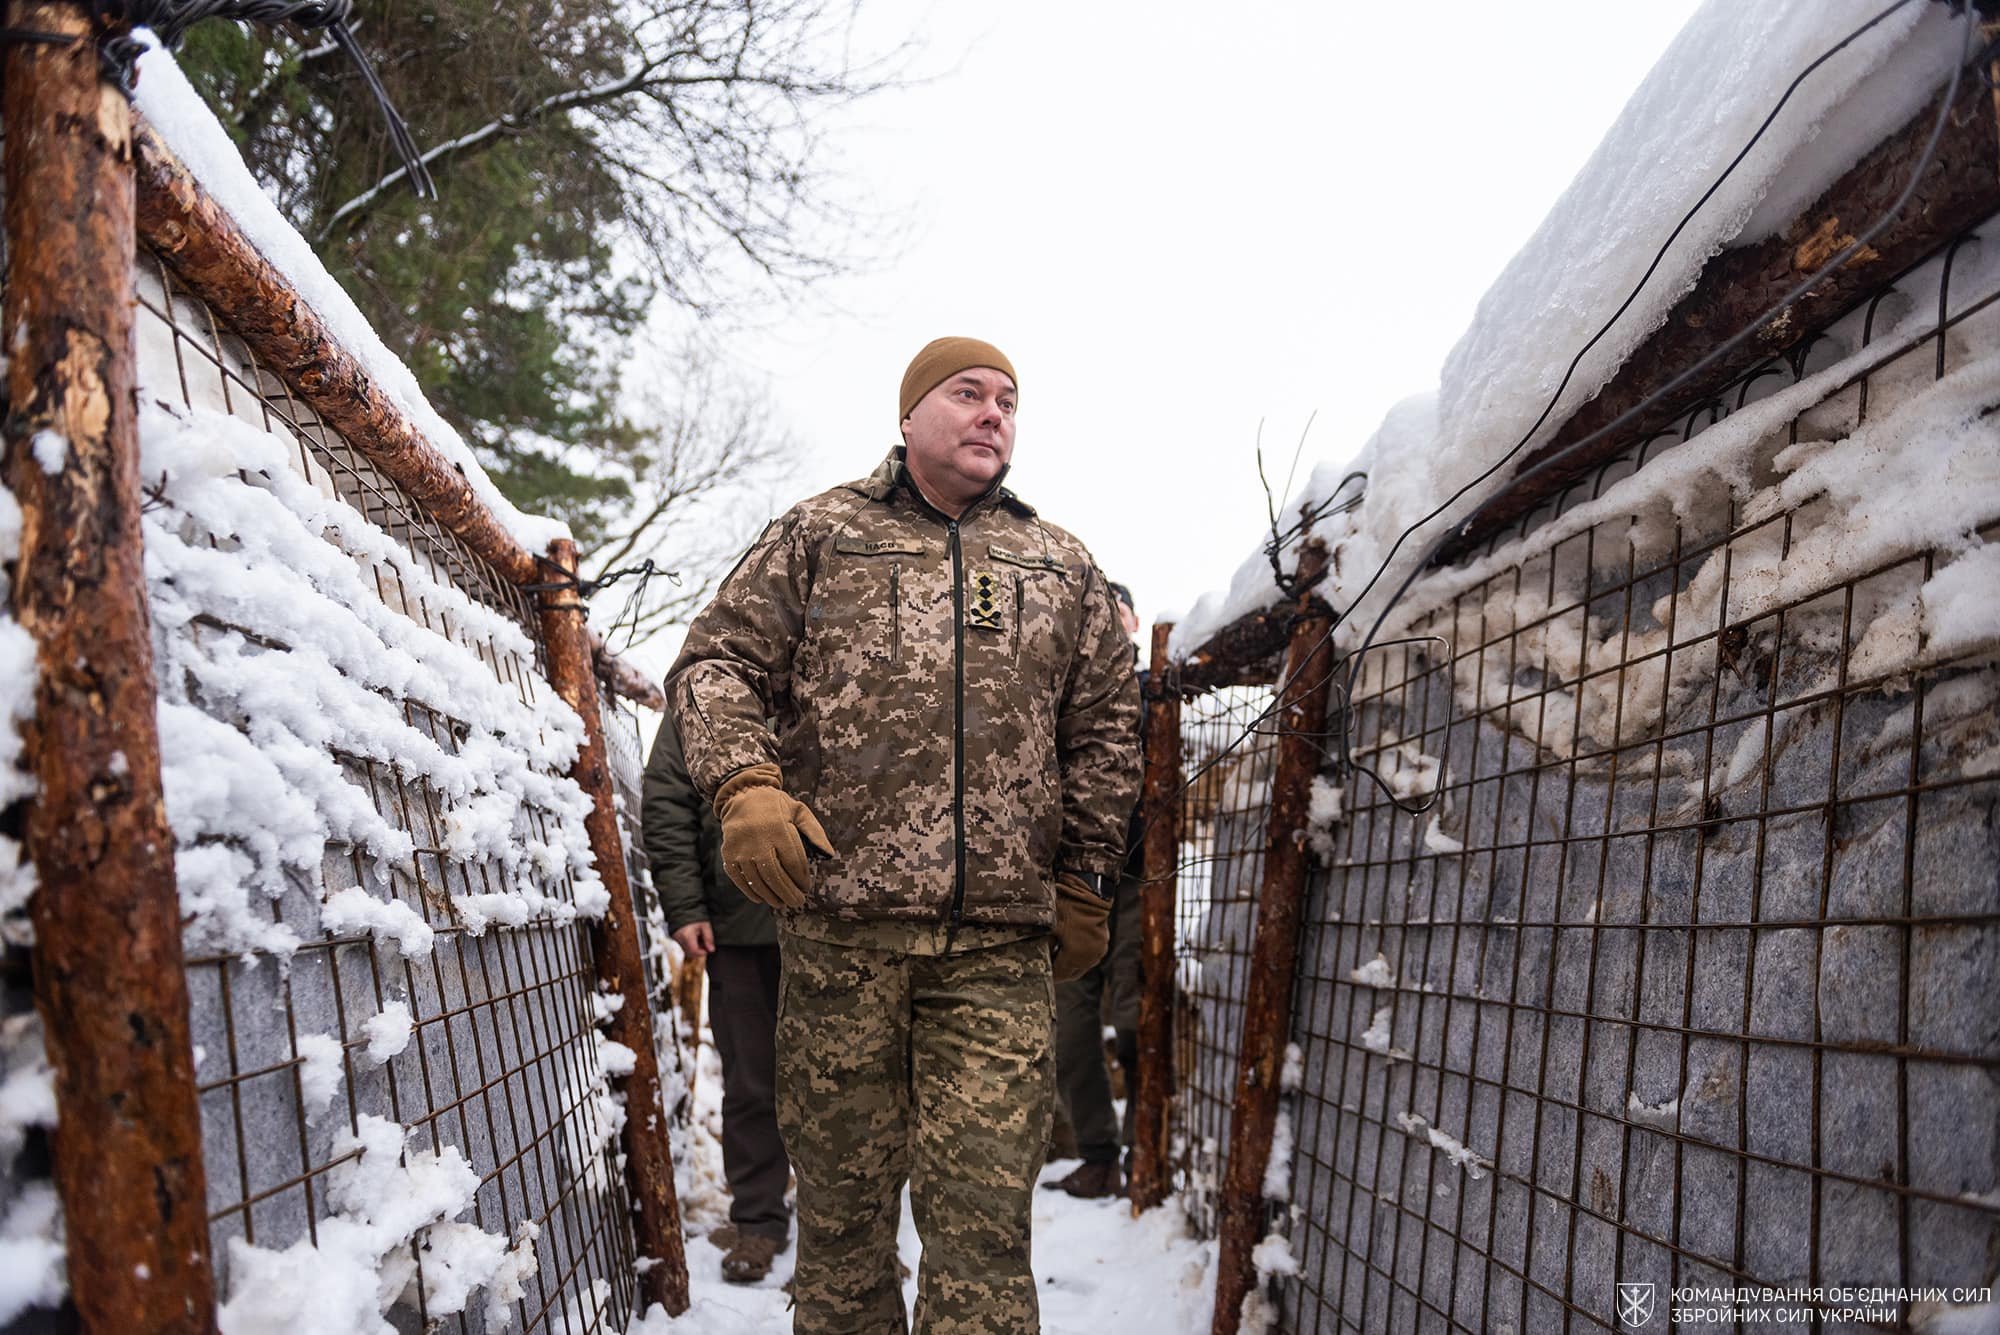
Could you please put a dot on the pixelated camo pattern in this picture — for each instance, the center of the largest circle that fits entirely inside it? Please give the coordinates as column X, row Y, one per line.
column 938, row 1068
column 843, row 624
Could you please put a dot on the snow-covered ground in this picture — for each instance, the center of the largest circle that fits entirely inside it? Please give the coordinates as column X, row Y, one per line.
column 1099, row 1270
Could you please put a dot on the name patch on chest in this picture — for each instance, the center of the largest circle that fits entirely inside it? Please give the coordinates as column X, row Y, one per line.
column 878, row 546
column 983, row 601
column 1027, row 560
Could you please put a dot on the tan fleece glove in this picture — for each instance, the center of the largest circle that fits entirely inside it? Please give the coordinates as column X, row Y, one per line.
column 762, row 825
column 1083, row 927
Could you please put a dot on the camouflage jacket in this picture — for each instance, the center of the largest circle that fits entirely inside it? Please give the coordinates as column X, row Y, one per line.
column 955, row 701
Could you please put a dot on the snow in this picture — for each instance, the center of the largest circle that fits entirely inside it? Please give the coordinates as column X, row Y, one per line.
column 32, row 1256
column 173, row 108
column 387, row 1032
column 1375, row 973
column 50, row 449
column 1096, row 1269
column 1376, row 1036
column 1437, row 841
column 1666, row 1116
column 1721, row 74
column 31, row 1252
column 384, row 1200
column 1323, row 813
column 17, row 705
column 281, row 641
column 1278, row 1166
column 320, row 1072
column 1475, row 1165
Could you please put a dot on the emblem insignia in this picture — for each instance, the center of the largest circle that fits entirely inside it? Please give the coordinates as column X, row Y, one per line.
column 982, row 603
column 1635, row 1303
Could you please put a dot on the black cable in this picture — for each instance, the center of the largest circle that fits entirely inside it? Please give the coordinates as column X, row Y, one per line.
column 1777, row 308
column 1354, row 660
column 170, row 20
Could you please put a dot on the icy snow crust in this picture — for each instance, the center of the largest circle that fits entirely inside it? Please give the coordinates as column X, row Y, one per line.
column 1697, row 107
column 173, row 108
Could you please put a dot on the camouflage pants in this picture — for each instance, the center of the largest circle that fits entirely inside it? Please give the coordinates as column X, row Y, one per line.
column 935, row 1068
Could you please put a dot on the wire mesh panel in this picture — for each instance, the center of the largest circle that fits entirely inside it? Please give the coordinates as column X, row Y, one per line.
column 396, row 1048
column 1230, row 749
column 1663, row 946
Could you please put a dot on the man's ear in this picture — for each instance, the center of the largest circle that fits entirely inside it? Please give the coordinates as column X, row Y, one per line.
column 904, row 427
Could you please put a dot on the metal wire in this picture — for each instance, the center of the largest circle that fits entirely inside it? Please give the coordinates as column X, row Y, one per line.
column 502, row 1058
column 1704, row 983
column 1220, row 868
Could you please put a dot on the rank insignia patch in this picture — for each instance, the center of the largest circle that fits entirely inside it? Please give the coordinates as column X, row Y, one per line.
column 982, row 606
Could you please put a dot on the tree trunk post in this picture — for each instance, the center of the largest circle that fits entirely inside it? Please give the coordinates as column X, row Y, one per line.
column 1160, row 819
column 649, row 1167
column 1274, row 961
column 108, row 969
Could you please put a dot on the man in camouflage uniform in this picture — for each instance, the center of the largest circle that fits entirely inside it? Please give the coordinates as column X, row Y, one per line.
column 954, row 758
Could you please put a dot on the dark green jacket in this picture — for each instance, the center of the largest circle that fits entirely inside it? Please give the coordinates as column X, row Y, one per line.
column 684, row 845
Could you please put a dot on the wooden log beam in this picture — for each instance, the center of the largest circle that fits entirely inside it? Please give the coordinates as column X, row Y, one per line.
column 1160, row 819
column 202, row 244
column 649, row 1168
column 1246, row 652
column 108, row 970
column 1960, row 187
column 1274, row 959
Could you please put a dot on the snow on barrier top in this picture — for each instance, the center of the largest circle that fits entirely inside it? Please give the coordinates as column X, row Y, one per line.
column 170, row 104
column 1694, row 111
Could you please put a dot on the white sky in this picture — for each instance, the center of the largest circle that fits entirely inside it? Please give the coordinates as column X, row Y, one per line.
column 1179, row 220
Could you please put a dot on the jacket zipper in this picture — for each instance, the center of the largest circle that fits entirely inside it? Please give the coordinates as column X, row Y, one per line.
column 895, row 611
column 1020, row 605
column 958, row 727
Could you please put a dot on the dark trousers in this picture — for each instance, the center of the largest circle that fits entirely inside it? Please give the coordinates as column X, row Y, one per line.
column 1110, row 990
column 743, row 1013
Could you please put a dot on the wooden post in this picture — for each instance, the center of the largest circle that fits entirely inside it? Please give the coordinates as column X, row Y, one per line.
column 649, row 1168
column 108, row 969
column 1160, row 818
column 1274, row 960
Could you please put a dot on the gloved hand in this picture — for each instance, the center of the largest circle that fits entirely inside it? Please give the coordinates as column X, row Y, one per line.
column 1083, row 927
column 762, row 825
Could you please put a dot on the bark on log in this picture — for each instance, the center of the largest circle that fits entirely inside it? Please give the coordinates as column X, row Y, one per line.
column 108, row 969
column 1960, row 187
column 649, row 1168
column 1274, row 958
column 1160, row 817
column 205, row 248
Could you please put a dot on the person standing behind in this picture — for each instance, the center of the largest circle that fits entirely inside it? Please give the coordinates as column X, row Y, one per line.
column 1112, row 984
column 712, row 920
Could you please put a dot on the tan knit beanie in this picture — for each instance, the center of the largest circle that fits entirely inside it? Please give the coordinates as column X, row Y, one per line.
column 943, row 358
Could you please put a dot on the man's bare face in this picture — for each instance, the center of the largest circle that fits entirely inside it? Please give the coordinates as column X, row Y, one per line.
column 961, row 434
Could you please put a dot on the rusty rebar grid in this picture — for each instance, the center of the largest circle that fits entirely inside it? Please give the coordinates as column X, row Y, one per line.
column 196, row 237
column 620, row 970
column 1267, row 1015
column 109, row 977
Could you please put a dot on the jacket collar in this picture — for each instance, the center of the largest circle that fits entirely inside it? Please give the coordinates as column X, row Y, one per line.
column 893, row 473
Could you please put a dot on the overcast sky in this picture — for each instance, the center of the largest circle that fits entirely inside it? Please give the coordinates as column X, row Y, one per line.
column 1182, row 220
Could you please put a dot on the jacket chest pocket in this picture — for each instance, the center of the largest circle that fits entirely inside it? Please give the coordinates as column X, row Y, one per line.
column 1034, row 591
column 859, row 614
